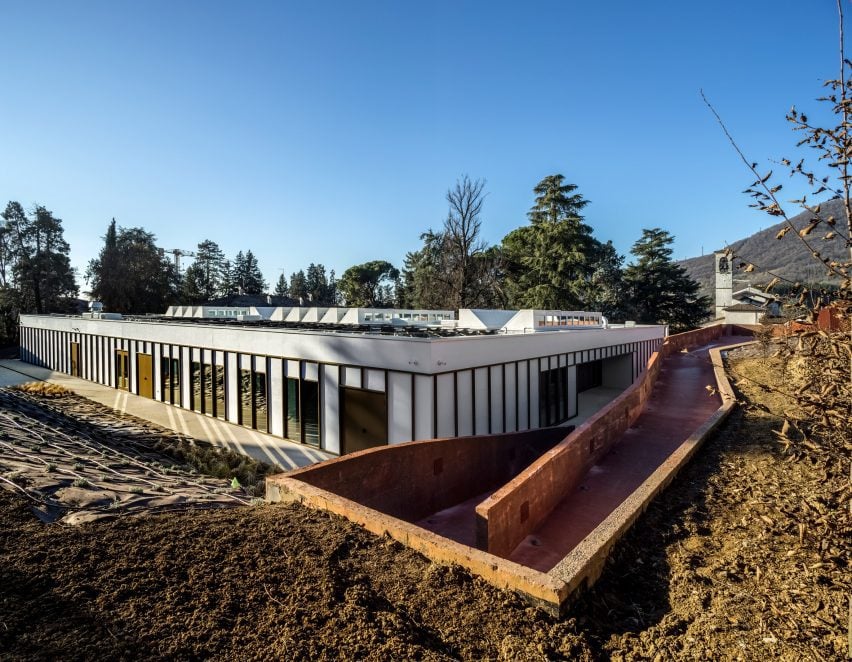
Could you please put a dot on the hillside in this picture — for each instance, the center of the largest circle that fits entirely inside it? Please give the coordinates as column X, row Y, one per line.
column 787, row 257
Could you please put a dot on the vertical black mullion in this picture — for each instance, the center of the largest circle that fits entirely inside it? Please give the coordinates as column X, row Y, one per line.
column 551, row 420
column 224, row 386
column 253, row 373
column 517, row 404
column 214, row 405
column 413, row 407
column 301, row 405
column 434, row 406
column 455, row 403
column 321, row 400
column 503, row 394
column 473, row 398
column 489, row 400
column 202, row 378
column 285, row 399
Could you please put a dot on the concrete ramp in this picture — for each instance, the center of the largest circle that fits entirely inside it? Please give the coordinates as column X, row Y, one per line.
column 546, row 526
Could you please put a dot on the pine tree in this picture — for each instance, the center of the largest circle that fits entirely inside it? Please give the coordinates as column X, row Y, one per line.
column 605, row 291
column 228, row 285
column 660, row 290
column 281, row 287
column 36, row 256
column 298, row 287
column 252, row 278
column 316, row 284
column 548, row 262
column 131, row 275
column 203, row 279
column 109, row 263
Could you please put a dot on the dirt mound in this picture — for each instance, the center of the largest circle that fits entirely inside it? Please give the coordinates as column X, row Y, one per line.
column 269, row 582
column 718, row 568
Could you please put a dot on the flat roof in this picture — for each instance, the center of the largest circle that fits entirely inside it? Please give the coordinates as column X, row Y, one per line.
column 322, row 327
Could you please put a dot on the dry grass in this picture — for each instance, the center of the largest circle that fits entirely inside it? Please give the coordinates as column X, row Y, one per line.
column 44, row 389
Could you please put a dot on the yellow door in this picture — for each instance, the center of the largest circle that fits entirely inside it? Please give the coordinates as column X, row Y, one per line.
column 145, row 375
column 75, row 359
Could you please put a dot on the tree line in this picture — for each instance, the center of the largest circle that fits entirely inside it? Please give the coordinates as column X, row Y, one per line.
column 551, row 262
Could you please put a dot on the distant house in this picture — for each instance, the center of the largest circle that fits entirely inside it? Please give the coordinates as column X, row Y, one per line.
column 745, row 306
column 743, row 313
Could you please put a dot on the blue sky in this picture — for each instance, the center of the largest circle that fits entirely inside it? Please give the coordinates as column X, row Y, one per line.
column 330, row 131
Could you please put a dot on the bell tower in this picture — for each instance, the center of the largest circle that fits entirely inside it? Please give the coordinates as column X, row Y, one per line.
column 724, row 282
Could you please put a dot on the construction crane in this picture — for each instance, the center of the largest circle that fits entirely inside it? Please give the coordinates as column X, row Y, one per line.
column 177, row 254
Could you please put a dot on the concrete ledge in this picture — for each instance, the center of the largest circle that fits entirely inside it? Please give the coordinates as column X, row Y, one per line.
column 414, row 479
column 541, row 588
column 585, row 563
column 520, row 506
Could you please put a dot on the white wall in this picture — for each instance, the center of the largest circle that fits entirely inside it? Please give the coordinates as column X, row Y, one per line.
column 471, row 380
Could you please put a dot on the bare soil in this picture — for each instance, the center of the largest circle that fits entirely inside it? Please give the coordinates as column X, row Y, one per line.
column 745, row 556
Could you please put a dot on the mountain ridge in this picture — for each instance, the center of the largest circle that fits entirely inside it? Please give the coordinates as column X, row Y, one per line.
column 788, row 257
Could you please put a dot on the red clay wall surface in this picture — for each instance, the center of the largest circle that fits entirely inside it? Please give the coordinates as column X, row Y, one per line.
column 415, row 479
column 516, row 509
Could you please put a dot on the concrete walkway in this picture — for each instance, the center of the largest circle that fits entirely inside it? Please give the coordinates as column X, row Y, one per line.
column 264, row 447
column 679, row 405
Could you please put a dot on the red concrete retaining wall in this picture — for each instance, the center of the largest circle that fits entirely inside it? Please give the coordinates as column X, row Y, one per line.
column 516, row 509
column 415, row 479
column 549, row 590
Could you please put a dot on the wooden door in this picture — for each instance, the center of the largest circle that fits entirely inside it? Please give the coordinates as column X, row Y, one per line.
column 75, row 359
column 145, row 375
column 364, row 419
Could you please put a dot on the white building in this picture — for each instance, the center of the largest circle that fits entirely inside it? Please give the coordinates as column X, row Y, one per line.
column 745, row 306
column 346, row 379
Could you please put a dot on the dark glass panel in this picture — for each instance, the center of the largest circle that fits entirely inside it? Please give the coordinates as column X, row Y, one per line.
column 195, row 386
column 207, row 388
column 219, row 385
column 245, row 398
column 260, row 401
column 310, row 412
column 294, row 427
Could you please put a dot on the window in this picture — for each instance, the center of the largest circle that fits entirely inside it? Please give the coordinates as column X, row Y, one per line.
column 589, row 375
column 302, row 411
column 165, row 379
column 310, row 412
column 219, row 390
column 553, row 396
column 259, row 397
column 195, row 386
column 294, row 425
column 207, row 388
column 245, row 398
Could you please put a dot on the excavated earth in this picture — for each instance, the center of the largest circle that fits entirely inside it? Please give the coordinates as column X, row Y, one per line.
column 745, row 556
